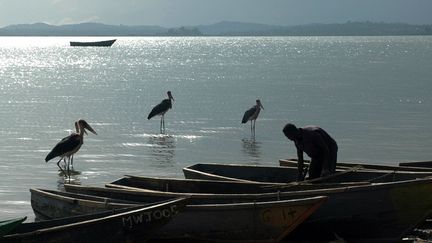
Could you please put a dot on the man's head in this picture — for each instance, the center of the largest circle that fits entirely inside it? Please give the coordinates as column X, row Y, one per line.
column 291, row 131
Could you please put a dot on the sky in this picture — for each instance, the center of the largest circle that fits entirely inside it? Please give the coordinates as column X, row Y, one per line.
column 175, row 13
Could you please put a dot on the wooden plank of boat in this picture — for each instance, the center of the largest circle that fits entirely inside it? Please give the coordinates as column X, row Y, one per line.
column 180, row 185
column 379, row 211
column 105, row 43
column 7, row 226
column 422, row 164
column 345, row 165
column 133, row 224
column 279, row 174
column 232, row 222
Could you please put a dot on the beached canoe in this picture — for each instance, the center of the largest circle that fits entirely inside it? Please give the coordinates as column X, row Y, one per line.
column 133, row 224
column 106, row 43
column 347, row 165
column 44, row 204
column 180, row 185
column 422, row 164
column 383, row 212
column 236, row 222
column 279, row 174
column 7, row 226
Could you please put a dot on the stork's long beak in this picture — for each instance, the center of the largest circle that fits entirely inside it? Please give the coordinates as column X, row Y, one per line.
column 262, row 106
column 88, row 127
column 170, row 96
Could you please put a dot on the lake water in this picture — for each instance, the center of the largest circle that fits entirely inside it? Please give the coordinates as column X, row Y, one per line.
column 372, row 94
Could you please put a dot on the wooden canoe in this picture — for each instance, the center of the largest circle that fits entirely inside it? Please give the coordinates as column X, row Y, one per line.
column 422, row 164
column 236, row 222
column 347, row 165
column 133, row 224
column 279, row 174
column 105, row 43
column 179, row 185
column 44, row 203
column 376, row 212
column 7, row 226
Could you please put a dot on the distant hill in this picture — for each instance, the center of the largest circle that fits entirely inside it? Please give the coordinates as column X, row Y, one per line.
column 84, row 29
column 224, row 28
column 237, row 28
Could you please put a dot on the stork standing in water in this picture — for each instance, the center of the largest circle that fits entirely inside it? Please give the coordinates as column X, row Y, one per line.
column 71, row 157
column 69, row 145
column 252, row 115
column 160, row 110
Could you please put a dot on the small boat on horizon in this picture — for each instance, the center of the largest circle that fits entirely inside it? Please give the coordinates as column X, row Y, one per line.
column 106, row 43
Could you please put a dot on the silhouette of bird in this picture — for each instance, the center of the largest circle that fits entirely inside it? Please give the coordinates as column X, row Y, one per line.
column 160, row 110
column 72, row 156
column 70, row 145
column 252, row 115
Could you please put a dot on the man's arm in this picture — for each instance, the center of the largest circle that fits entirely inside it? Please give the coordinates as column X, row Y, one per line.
column 301, row 171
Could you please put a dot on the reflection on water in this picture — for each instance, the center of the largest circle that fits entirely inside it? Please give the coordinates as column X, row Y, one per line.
column 108, row 88
column 252, row 148
column 163, row 147
column 73, row 179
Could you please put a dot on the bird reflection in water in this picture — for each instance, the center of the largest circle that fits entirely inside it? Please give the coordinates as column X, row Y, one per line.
column 252, row 148
column 163, row 147
column 72, row 179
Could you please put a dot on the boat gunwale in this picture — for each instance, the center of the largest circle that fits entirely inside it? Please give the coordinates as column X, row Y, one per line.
column 277, row 194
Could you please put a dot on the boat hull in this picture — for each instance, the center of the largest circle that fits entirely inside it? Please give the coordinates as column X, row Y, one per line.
column 379, row 211
column 347, row 165
column 282, row 174
column 134, row 224
column 230, row 222
column 186, row 186
column 106, row 43
column 7, row 226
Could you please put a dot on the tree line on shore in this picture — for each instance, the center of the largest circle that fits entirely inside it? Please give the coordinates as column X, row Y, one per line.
column 224, row 28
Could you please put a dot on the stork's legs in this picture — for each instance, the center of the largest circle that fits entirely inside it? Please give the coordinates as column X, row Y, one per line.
column 162, row 124
column 58, row 164
column 253, row 128
column 67, row 166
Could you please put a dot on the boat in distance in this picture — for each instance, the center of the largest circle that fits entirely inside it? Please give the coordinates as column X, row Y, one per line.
column 105, row 43
column 376, row 212
column 226, row 222
column 133, row 224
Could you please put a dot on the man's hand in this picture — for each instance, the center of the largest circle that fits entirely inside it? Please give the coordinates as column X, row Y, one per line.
column 300, row 177
column 325, row 172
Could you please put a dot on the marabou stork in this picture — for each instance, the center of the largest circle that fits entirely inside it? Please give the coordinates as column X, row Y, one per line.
column 160, row 110
column 71, row 157
column 252, row 115
column 70, row 144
